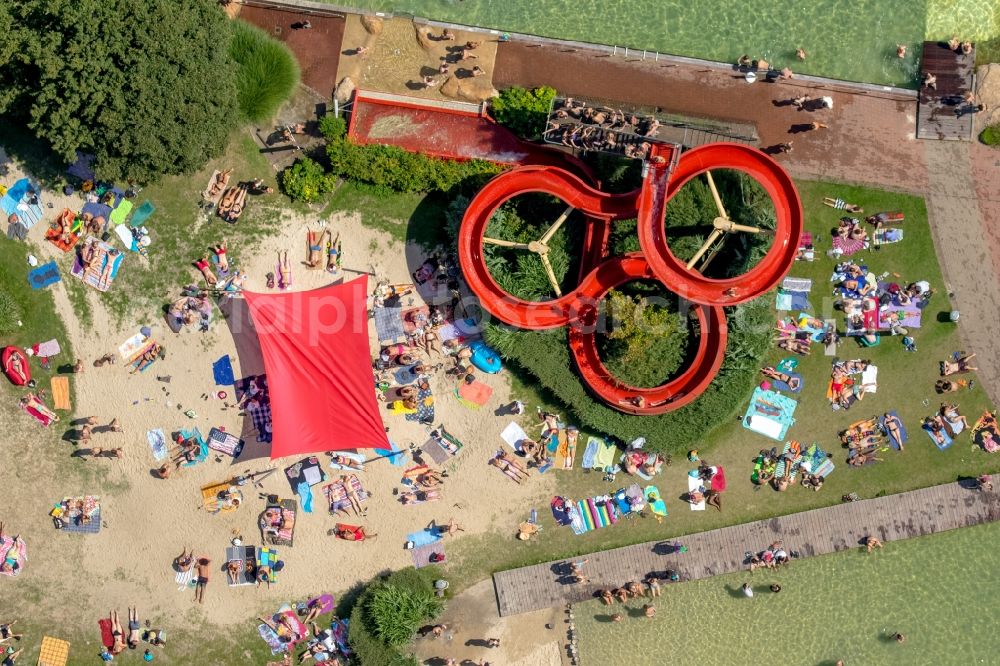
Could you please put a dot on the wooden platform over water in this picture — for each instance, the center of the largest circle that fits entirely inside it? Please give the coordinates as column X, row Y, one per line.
column 942, row 114
column 816, row 532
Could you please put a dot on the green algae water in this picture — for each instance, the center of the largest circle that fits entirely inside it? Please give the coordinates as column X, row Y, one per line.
column 851, row 40
column 942, row 592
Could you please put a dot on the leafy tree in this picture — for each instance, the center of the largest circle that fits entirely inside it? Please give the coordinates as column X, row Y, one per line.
column 268, row 71
column 147, row 87
column 332, row 127
column 645, row 343
column 524, row 111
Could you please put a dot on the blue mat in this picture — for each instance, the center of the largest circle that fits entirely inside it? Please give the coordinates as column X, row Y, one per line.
column 195, row 434
column 902, row 430
column 389, row 324
column 423, row 537
column 43, row 276
column 782, row 386
column 769, row 414
column 97, row 210
column 947, row 439
column 222, row 370
column 141, row 214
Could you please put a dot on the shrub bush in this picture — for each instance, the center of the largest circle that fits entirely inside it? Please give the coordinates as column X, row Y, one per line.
column 10, row 313
column 332, row 127
column 646, row 341
column 266, row 74
column 305, row 180
column 393, row 168
column 991, row 135
column 392, row 609
column 523, row 111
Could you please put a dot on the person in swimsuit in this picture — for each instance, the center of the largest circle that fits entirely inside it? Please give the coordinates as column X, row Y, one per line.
column 133, row 628
column 220, row 256
column 206, row 272
column 352, row 494
column 117, row 634
column 314, row 247
column 203, row 571
column 31, row 401
column 792, row 382
column 11, row 559
column 334, row 253
column 506, row 468
column 284, row 272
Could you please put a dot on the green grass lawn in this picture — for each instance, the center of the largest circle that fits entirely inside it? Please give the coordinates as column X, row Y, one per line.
column 905, row 383
column 939, row 591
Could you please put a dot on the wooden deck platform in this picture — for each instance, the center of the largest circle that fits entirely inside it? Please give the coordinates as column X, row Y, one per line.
column 941, row 113
column 721, row 551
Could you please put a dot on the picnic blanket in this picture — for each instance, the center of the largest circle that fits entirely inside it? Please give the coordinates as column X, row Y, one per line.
column 389, row 324
column 271, row 638
column 222, row 371
column 902, row 430
column 79, row 514
column 443, row 447
column 769, row 414
column 247, row 557
column 121, row 211
column 107, row 259
column 593, row 513
column 308, row 471
column 560, row 510
column 225, row 442
column 132, row 347
column 336, row 495
column 277, row 523
column 34, row 413
column 986, row 433
column 44, row 275
column 779, row 470
column 792, row 300
column 886, row 236
column 869, row 379
column 816, row 461
column 17, row 550
column 268, row 557
column 20, row 200
column 655, row 500
column 213, row 497
column 53, row 652
column 909, row 315
column 107, row 633
column 422, row 555
column 157, row 443
column 60, row 392
column 599, row 454
column 848, row 246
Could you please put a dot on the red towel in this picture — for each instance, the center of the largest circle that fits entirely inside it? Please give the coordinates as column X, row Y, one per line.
column 107, row 638
column 719, row 479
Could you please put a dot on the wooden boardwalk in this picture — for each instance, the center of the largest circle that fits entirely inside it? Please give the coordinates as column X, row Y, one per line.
column 941, row 113
column 721, row 551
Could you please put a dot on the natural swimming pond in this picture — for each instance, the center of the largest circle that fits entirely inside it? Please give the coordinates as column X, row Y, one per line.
column 942, row 592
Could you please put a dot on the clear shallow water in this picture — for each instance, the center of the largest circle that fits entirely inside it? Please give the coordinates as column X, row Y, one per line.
column 852, row 40
column 942, row 592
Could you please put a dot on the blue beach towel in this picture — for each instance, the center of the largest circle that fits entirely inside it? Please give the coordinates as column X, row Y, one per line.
column 44, row 275
column 222, row 370
column 423, row 537
column 902, row 430
column 590, row 453
column 158, row 443
column 304, row 491
column 782, row 386
column 397, row 460
column 142, row 213
column 947, row 439
column 195, row 434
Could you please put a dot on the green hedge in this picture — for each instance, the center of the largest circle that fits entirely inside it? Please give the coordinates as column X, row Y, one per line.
column 306, row 180
column 545, row 355
column 374, row 614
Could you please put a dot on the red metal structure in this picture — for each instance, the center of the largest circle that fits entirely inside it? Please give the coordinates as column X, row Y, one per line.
column 600, row 273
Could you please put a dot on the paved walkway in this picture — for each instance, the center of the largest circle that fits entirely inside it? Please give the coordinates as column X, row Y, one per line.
column 963, row 241
column 721, row 551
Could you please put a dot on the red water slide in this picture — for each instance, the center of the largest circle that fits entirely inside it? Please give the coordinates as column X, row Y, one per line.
column 523, row 180
column 768, row 271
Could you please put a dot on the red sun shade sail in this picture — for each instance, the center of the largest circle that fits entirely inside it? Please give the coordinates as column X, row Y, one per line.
column 318, row 365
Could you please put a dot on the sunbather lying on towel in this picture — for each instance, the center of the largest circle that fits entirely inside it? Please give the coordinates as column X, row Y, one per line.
column 219, row 183
column 792, row 382
column 795, row 346
column 352, row 494
column 420, row 496
column 133, row 628
column 851, row 228
column 11, row 559
column 961, row 364
column 16, row 365
column 948, row 386
column 953, row 420
column 314, row 247
column 284, row 271
column 206, row 272
column 220, row 256
column 148, row 357
column 334, row 254
column 649, row 463
column 859, row 457
column 840, row 204
column 349, row 533
column 283, row 629
column 117, row 633
column 31, row 401
column 345, row 463
column 882, row 218
column 535, row 451
column 812, row 481
column 935, row 426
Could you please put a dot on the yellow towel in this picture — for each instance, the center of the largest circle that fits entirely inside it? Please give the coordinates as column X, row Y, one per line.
column 60, row 392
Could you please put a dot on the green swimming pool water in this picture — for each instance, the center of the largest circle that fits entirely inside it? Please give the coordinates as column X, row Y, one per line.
column 853, row 40
column 941, row 592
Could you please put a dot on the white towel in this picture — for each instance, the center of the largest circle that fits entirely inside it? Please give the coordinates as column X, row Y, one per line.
column 869, row 379
column 513, row 434
column 695, row 483
column 182, row 579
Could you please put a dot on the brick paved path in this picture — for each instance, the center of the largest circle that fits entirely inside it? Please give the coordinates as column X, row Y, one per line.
column 816, row 532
